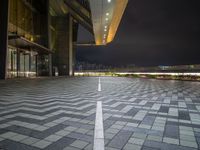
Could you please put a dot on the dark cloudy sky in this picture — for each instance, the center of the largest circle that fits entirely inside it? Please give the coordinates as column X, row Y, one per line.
column 152, row 32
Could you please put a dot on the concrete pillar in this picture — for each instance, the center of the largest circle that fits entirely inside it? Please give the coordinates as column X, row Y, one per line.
column 43, row 28
column 64, row 45
column 75, row 38
column 49, row 35
column 50, row 65
column 4, row 15
column 71, row 56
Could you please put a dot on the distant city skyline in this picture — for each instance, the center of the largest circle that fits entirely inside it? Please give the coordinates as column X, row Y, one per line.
column 86, row 66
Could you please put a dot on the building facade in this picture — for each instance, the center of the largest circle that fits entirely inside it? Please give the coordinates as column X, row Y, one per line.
column 25, row 50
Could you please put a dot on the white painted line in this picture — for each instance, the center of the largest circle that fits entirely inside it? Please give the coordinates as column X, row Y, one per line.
column 99, row 85
column 98, row 130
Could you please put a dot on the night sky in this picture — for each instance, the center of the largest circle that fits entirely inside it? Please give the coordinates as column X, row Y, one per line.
column 151, row 33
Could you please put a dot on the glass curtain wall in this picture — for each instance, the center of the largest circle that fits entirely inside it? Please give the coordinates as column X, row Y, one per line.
column 26, row 21
column 21, row 72
column 33, row 64
column 21, row 63
column 12, row 62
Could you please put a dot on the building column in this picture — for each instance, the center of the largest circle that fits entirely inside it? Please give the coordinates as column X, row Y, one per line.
column 75, row 38
column 71, row 56
column 43, row 28
column 4, row 15
column 64, row 45
column 49, row 35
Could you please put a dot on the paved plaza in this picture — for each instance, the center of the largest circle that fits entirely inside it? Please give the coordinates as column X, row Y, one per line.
column 59, row 114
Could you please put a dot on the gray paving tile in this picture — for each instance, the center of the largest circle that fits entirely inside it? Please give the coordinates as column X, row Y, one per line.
column 29, row 141
column 89, row 147
column 41, row 144
column 70, row 148
column 140, row 135
column 155, row 138
column 132, row 147
column 8, row 135
column 62, row 133
column 136, row 141
column 110, row 148
column 79, row 144
column 189, row 144
column 70, row 128
column 53, row 138
column 81, row 130
column 18, row 137
column 171, row 140
column 109, row 135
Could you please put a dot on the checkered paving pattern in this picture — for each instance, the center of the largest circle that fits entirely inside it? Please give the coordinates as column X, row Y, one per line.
column 59, row 114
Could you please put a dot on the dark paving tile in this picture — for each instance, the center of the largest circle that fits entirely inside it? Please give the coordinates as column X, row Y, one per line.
column 11, row 145
column 198, row 141
column 82, row 137
column 148, row 120
column 172, row 131
column 120, row 107
column 86, row 126
column 174, row 102
column 136, row 130
column 120, row 139
column 87, row 109
column 124, row 119
column 60, row 144
column 172, row 123
column 149, row 104
column 34, row 133
column 197, row 134
column 183, row 115
column 138, row 100
column 164, row 109
column 132, row 112
column 191, row 107
column 149, row 148
column 72, row 123
column 91, row 117
column 107, row 123
column 167, row 116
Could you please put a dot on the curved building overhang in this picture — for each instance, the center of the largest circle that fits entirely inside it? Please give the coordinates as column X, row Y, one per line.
column 106, row 17
column 99, row 17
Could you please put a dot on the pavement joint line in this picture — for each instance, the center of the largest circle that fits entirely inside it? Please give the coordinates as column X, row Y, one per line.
column 99, row 85
column 99, row 131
